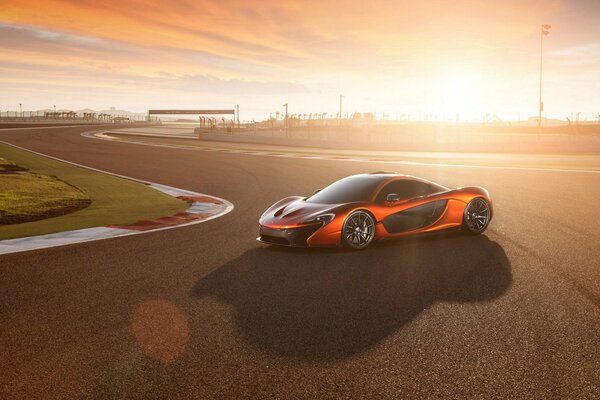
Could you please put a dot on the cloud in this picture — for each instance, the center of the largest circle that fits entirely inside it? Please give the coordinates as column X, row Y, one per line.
column 283, row 33
column 211, row 84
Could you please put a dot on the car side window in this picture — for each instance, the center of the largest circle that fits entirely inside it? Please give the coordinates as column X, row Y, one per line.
column 405, row 188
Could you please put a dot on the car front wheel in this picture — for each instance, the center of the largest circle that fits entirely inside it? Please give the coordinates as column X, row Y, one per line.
column 359, row 230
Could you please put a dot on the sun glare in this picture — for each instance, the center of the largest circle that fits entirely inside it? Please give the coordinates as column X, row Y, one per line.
column 458, row 96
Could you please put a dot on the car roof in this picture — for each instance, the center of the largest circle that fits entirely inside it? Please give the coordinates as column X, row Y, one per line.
column 390, row 175
column 384, row 177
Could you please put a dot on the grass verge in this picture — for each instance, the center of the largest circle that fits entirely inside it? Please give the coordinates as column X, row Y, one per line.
column 7, row 166
column 26, row 197
column 114, row 201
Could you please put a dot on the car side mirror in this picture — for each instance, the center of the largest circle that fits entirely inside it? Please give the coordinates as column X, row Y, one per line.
column 317, row 191
column 392, row 198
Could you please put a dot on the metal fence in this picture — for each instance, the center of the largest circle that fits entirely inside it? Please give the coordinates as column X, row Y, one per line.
column 60, row 116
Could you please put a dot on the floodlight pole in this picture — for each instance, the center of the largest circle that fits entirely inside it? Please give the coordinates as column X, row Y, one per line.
column 543, row 32
column 21, row 110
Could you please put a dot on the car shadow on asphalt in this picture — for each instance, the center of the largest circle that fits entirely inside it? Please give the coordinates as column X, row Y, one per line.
column 331, row 304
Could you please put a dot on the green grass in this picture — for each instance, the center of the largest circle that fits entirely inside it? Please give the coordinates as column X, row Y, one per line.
column 113, row 200
column 26, row 197
column 6, row 165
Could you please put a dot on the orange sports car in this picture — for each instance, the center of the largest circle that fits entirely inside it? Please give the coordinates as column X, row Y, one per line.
column 359, row 209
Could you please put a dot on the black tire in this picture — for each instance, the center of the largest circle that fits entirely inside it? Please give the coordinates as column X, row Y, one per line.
column 359, row 230
column 477, row 216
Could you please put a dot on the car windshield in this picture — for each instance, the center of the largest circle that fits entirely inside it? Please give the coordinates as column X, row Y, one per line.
column 347, row 190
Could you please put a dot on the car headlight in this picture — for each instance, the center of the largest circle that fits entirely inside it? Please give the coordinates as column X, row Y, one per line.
column 324, row 219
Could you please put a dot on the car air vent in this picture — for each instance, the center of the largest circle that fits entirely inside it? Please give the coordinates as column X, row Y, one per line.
column 279, row 212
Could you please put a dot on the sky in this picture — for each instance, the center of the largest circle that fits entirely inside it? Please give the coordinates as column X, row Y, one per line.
column 441, row 60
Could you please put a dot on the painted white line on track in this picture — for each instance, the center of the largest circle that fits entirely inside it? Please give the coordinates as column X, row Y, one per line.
column 104, row 136
column 102, row 232
column 152, row 134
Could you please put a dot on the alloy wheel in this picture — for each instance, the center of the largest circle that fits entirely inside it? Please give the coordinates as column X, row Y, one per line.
column 477, row 215
column 359, row 230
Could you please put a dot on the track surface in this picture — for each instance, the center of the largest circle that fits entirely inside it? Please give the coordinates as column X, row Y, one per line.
column 513, row 313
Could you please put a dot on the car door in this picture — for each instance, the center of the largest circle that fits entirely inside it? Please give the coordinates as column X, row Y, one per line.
column 401, row 216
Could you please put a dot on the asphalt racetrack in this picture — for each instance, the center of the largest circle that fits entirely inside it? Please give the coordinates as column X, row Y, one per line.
column 207, row 312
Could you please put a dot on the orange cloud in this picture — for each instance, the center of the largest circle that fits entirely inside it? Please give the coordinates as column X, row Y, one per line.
column 288, row 33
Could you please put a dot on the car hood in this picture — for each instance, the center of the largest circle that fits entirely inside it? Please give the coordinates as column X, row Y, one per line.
column 294, row 212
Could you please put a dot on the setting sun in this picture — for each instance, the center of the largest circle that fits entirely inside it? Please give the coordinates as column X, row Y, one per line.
column 458, row 96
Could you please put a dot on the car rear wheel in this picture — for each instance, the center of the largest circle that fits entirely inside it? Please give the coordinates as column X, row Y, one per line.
column 476, row 217
column 359, row 230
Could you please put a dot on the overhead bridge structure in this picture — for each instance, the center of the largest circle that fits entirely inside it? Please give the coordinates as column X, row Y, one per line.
column 192, row 112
